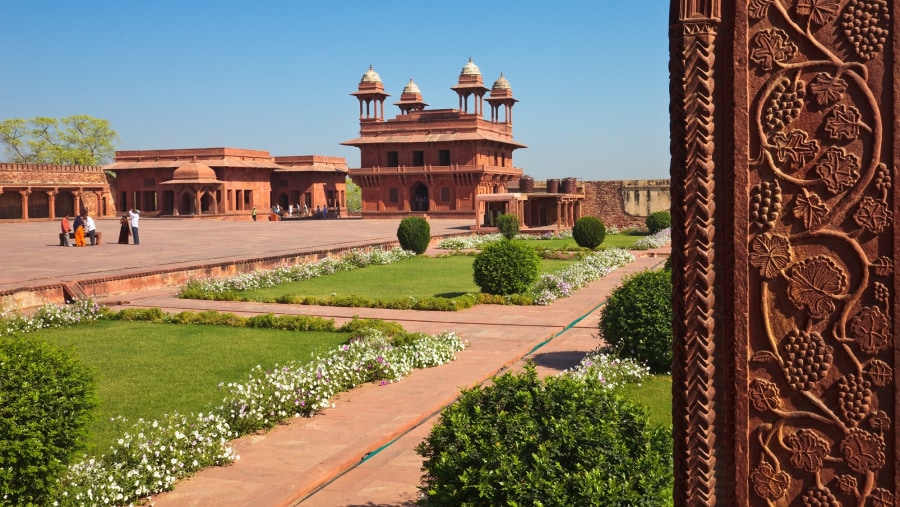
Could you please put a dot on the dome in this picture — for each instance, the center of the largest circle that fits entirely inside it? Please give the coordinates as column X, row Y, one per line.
column 370, row 77
column 194, row 171
column 501, row 84
column 411, row 87
column 470, row 69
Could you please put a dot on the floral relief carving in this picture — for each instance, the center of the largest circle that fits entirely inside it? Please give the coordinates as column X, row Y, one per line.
column 819, row 400
column 863, row 451
column 873, row 215
column 794, row 149
column 771, row 47
column 808, row 450
column 871, row 330
column 827, row 89
column 843, row 122
column 768, row 483
column 838, row 169
column 811, row 208
column 770, row 253
column 814, row 283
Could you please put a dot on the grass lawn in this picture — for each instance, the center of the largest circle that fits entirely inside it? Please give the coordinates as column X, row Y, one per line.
column 655, row 393
column 611, row 240
column 418, row 277
column 148, row 369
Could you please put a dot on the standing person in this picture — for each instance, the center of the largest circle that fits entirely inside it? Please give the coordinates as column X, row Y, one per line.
column 78, row 225
column 318, row 212
column 305, row 210
column 90, row 228
column 64, row 235
column 124, row 230
column 134, row 216
column 254, row 214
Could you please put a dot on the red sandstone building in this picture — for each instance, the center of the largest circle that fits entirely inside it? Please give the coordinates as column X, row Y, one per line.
column 225, row 181
column 448, row 162
column 32, row 191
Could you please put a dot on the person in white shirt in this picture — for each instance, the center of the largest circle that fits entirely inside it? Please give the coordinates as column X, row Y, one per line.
column 134, row 216
column 90, row 228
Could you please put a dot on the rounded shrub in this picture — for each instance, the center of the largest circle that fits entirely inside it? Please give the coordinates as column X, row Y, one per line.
column 637, row 319
column 658, row 221
column 589, row 232
column 506, row 267
column 508, row 225
column 46, row 401
column 558, row 441
column 414, row 234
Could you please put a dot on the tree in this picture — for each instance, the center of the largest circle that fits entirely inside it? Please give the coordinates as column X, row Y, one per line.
column 354, row 197
column 79, row 139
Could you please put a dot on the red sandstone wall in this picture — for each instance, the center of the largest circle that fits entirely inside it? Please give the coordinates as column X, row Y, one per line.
column 63, row 180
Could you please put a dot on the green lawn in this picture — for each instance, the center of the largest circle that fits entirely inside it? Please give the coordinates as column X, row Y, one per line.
column 611, row 240
column 418, row 277
column 147, row 369
column 655, row 393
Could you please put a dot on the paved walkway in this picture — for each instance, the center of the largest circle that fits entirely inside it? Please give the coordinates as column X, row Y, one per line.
column 361, row 452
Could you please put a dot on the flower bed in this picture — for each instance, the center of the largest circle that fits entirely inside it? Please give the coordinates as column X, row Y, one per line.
column 611, row 371
column 660, row 239
column 561, row 284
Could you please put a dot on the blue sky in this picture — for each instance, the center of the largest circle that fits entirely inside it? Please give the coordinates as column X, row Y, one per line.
column 591, row 76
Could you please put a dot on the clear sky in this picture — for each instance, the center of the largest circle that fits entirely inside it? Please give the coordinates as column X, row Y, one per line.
column 591, row 76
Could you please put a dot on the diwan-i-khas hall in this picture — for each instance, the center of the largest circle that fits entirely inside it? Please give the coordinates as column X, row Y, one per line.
column 446, row 162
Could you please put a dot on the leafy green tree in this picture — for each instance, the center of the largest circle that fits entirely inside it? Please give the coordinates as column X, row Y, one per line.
column 354, row 197
column 78, row 139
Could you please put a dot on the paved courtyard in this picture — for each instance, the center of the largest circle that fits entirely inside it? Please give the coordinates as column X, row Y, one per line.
column 361, row 452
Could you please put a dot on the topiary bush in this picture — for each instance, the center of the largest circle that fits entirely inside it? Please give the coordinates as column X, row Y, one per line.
column 589, row 232
column 558, row 441
column 506, row 267
column 508, row 225
column 658, row 221
column 414, row 234
column 637, row 319
column 46, row 402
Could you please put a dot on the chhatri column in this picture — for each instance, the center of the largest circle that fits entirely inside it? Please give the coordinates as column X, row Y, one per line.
column 784, row 244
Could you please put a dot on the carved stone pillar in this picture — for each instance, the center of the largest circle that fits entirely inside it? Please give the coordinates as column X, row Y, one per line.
column 51, row 203
column 25, row 194
column 784, row 151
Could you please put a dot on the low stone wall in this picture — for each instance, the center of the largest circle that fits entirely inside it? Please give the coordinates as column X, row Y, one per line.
column 625, row 204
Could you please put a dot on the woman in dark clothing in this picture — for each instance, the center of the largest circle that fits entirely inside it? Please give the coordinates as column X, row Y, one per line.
column 124, row 230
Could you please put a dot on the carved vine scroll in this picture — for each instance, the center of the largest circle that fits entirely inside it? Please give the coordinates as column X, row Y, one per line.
column 791, row 270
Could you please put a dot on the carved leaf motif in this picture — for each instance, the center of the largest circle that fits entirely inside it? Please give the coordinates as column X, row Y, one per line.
column 820, row 12
column 758, row 8
column 847, row 484
column 768, row 483
column 807, row 450
column 813, row 284
column 863, row 451
column 880, row 422
column 771, row 253
column 764, row 395
column 873, row 215
column 871, row 330
column 879, row 373
column 771, row 46
column 763, row 356
column 794, row 148
column 827, row 89
column 884, row 266
column 838, row 169
column 843, row 122
column 882, row 498
column 810, row 208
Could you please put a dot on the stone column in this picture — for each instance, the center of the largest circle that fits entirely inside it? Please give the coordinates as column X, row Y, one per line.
column 51, row 203
column 784, row 148
column 25, row 194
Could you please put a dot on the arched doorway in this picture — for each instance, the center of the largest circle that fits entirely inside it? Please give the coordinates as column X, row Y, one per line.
column 38, row 205
column 206, row 203
column 64, row 204
column 419, row 199
column 10, row 205
column 187, row 204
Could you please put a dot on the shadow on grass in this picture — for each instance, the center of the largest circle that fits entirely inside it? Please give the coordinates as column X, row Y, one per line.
column 561, row 360
column 450, row 295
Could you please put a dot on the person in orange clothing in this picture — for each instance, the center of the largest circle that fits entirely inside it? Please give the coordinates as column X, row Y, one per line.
column 79, row 230
column 64, row 234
